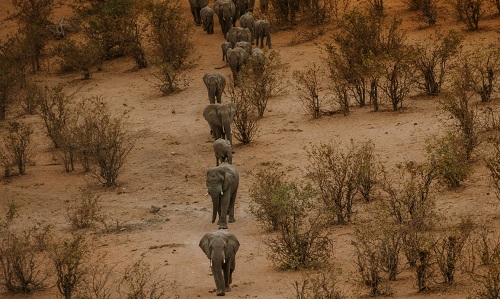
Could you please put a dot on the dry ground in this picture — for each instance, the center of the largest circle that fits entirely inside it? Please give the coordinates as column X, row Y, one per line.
column 167, row 168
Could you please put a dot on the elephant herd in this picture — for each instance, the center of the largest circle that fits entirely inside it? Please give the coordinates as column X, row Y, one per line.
column 239, row 39
column 222, row 180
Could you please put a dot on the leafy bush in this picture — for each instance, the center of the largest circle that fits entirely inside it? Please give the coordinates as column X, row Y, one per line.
column 55, row 112
column 16, row 147
column 450, row 160
column 262, row 205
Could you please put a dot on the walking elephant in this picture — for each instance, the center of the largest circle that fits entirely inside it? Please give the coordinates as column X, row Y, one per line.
column 220, row 117
column 262, row 29
column 224, row 46
column 223, row 151
column 221, row 248
column 207, row 19
column 196, row 6
column 222, row 183
column 226, row 11
column 246, row 46
column 238, row 34
column 215, row 84
column 236, row 58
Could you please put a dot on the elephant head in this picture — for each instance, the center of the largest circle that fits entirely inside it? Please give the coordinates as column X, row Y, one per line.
column 236, row 58
column 220, row 248
column 220, row 117
column 222, row 183
column 226, row 11
column 238, row 34
column 215, row 84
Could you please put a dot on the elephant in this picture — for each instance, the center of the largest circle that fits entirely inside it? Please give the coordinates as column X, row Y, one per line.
column 258, row 60
column 245, row 45
column 215, row 84
column 226, row 11
column 222, row 183
column 220, row 117
column 236, row 58
column 264, row 5
column 246, row 21
column 223, row 151
column 262, row 29
column 238, row 34
column 221, row 248
column 224, row 46
column 207, row 18
column 241, row 7
column 196, row 6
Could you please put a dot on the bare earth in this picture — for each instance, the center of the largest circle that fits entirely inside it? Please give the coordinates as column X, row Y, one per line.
column 167, row 168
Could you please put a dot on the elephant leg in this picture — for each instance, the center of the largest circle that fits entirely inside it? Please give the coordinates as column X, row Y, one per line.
column 231, row 207
column 227, row 276
column 224, row 206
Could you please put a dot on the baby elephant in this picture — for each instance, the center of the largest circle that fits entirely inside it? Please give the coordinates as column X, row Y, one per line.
column 223, row 151
column 207, row 18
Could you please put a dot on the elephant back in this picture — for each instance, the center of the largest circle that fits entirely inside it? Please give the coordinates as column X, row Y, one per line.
column 206, row 12
column 210, row 114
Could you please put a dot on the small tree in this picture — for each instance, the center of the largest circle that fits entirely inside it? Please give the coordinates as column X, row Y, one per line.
column 469, row 12
column 32, row 17
column 398, row 81
column 432, row 61
column 171, row 41
column 368, row 170
column 12, row 76
column 16, row 147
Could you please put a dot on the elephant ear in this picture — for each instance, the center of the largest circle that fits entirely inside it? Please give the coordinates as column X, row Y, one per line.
column 210, row 114
column 232, row 107
column 228, row 179
column 232, row 243
column 205, row 77
column 205, row 244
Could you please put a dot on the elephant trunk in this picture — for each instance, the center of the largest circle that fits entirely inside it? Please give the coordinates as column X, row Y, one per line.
column 218, row 275
column 215, row 202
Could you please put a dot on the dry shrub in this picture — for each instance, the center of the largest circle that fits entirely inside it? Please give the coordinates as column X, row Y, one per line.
column 97, row 283
column 140, row 281
column 315, row 285
column 483, row 264
column 302, row 240
column 171, row 39
column 459, row 105
column 69, row 257
column 433, row 60
column 86, row 211
column 22, row 254
column 469, row 12
column 493, row 164
column 78, row 56
column 55, row 112
column 16, row 149
column 398, row 80
column 246, row 119
column 337, row 173
column 368, row 170
column 448, row 249
column 307, row 85
column 262, row 205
